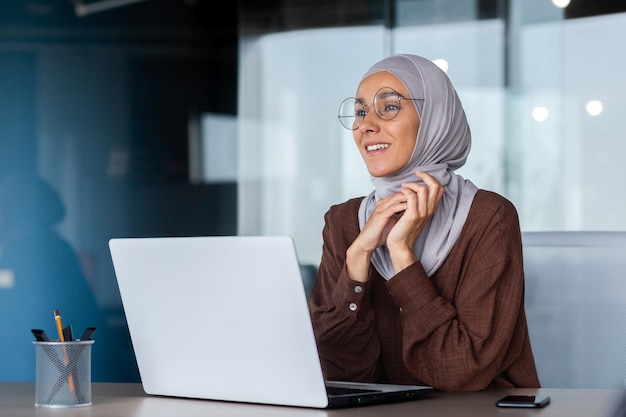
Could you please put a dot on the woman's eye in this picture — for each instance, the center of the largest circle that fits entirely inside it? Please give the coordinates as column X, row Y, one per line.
column 390, row 107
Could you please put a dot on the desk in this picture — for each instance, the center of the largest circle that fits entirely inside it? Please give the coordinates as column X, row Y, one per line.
column 128, row 400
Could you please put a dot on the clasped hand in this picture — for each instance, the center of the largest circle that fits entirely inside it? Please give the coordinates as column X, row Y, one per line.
column 396, row 222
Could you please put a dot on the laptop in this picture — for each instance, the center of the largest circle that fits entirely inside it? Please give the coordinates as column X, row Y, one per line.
column 226, row 318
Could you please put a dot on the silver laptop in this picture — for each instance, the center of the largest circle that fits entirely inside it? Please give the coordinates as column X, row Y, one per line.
column 226, row 318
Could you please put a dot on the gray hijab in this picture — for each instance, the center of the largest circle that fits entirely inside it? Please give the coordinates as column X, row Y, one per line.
column 443, row 143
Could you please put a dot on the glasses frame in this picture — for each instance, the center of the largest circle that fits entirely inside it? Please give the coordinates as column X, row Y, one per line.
column 372, row 105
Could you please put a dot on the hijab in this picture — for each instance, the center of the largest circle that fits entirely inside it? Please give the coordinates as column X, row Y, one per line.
column 443, row 143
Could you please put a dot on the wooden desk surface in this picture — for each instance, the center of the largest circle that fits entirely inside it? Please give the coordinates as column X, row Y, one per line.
column 112, row 399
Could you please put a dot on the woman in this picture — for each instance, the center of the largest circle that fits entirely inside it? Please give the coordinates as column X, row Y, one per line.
column 422, row 281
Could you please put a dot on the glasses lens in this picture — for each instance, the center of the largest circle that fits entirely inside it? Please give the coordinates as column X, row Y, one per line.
column 350, row 113
column 387, row 103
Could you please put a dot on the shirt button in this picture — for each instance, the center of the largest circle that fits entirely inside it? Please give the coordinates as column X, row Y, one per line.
column 352, row 306
column 358, row 289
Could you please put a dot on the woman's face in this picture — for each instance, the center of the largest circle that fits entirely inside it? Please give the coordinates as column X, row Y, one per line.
column 386, row 145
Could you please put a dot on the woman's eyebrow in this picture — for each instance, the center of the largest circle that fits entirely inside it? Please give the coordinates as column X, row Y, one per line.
column 392, row 93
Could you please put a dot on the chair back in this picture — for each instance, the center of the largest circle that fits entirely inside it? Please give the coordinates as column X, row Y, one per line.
column 309, row 275
column 576, row 307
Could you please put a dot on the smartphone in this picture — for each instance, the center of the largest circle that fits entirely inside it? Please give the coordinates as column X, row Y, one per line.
column 534, row 401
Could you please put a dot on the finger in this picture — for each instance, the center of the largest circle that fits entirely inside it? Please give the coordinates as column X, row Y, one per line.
column 437, row 190
column 391, row 205
column 428, row 179
column 423, row 197
column 416, row 200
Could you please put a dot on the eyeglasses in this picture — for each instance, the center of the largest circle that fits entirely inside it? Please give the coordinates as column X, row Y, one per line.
column 386, row 105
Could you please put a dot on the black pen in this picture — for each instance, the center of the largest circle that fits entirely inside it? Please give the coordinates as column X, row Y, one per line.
column 68, row 334
column 88, row 333
column 40, row 335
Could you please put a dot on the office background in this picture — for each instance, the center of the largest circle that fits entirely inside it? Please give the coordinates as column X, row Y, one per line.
column 174, row 117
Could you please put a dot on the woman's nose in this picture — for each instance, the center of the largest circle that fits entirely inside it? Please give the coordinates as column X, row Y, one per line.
column 369, row 121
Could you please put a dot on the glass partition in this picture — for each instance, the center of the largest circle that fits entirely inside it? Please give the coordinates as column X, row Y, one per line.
column 105, row 112
column 540, row 85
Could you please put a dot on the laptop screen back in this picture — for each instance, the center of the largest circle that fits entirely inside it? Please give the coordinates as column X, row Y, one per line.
column 223, row 318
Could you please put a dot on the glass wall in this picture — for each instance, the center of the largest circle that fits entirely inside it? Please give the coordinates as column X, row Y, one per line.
column 540, row 84
column 105, row 113
column 542, row 88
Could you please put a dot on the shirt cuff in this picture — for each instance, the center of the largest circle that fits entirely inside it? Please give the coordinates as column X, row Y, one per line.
column 351, row 297
column 411, row 289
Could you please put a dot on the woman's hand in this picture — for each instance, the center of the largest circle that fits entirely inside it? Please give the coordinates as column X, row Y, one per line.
column 396, row 221
column 421, row 202
column 373, row 235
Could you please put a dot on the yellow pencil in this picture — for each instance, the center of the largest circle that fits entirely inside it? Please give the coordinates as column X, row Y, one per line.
column 70, row 377
column 57, row 318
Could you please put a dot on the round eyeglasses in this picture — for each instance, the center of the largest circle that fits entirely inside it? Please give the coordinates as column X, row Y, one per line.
column 386, row 105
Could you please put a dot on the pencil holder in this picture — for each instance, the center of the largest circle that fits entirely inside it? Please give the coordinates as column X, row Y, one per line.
column 63, row 374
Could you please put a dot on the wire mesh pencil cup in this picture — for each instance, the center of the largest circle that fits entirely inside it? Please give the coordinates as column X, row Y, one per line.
column 63, row 373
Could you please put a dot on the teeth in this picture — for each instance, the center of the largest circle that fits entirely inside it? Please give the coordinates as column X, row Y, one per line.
column 377, row 146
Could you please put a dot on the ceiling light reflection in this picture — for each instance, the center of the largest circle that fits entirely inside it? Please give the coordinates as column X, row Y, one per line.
column 540, row 113
column 561, row 4
column 441, row 63
column 594, row 107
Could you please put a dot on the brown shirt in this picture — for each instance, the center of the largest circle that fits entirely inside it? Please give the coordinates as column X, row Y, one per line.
column 463, row 329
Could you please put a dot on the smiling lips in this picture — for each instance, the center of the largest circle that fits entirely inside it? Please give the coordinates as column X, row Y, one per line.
column 377, row 147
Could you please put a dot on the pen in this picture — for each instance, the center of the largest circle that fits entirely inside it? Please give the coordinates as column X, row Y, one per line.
column 88, row 333
column 40, row 335
column 70, row 377
column 68, row 334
